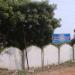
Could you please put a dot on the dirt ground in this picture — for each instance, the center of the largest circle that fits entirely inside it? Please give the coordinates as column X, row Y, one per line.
column 62, row 71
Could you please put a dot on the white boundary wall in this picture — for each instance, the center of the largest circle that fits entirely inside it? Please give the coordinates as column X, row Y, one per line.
column 74, row 50
column 10, row 58
column 50, row 55
column 34, row 56
column 66, row 53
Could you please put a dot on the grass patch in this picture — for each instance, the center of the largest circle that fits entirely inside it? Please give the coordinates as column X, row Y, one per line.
column 21, row 73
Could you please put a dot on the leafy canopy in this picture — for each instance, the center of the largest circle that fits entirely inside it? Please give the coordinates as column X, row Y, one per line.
column 27, row 24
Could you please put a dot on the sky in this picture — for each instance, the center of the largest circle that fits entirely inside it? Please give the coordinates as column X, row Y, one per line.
column 66, row 11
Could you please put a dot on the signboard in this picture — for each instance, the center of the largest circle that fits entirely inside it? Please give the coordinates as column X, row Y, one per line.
column 60, row 38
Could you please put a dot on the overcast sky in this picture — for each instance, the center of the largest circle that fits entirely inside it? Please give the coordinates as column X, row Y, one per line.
column 66, row 11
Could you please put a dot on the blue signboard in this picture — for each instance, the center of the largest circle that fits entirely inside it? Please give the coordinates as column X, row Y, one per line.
column 60, row 38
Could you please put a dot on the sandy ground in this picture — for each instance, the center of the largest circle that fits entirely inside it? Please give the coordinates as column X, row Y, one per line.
column 56, row 70
column 62, row 71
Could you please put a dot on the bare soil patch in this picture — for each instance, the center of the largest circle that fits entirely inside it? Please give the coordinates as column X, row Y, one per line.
column 67, row 68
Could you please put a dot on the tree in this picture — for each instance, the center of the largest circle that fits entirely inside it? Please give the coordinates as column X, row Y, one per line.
column 40, row 23
column 10, row 25
column 27, row 24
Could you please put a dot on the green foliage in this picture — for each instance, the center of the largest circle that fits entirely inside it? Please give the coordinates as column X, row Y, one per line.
column 72, row 42
column 1, row 49
column 27, row 24
column 21, row 73
column 9, row 19
column 40, row 22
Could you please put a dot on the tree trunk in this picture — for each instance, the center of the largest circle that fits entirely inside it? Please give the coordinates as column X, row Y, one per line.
column 25, row 48
column 42, row 58
column 27, row 60
column 73, row 52
column 23, row 61
column 58, row 55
